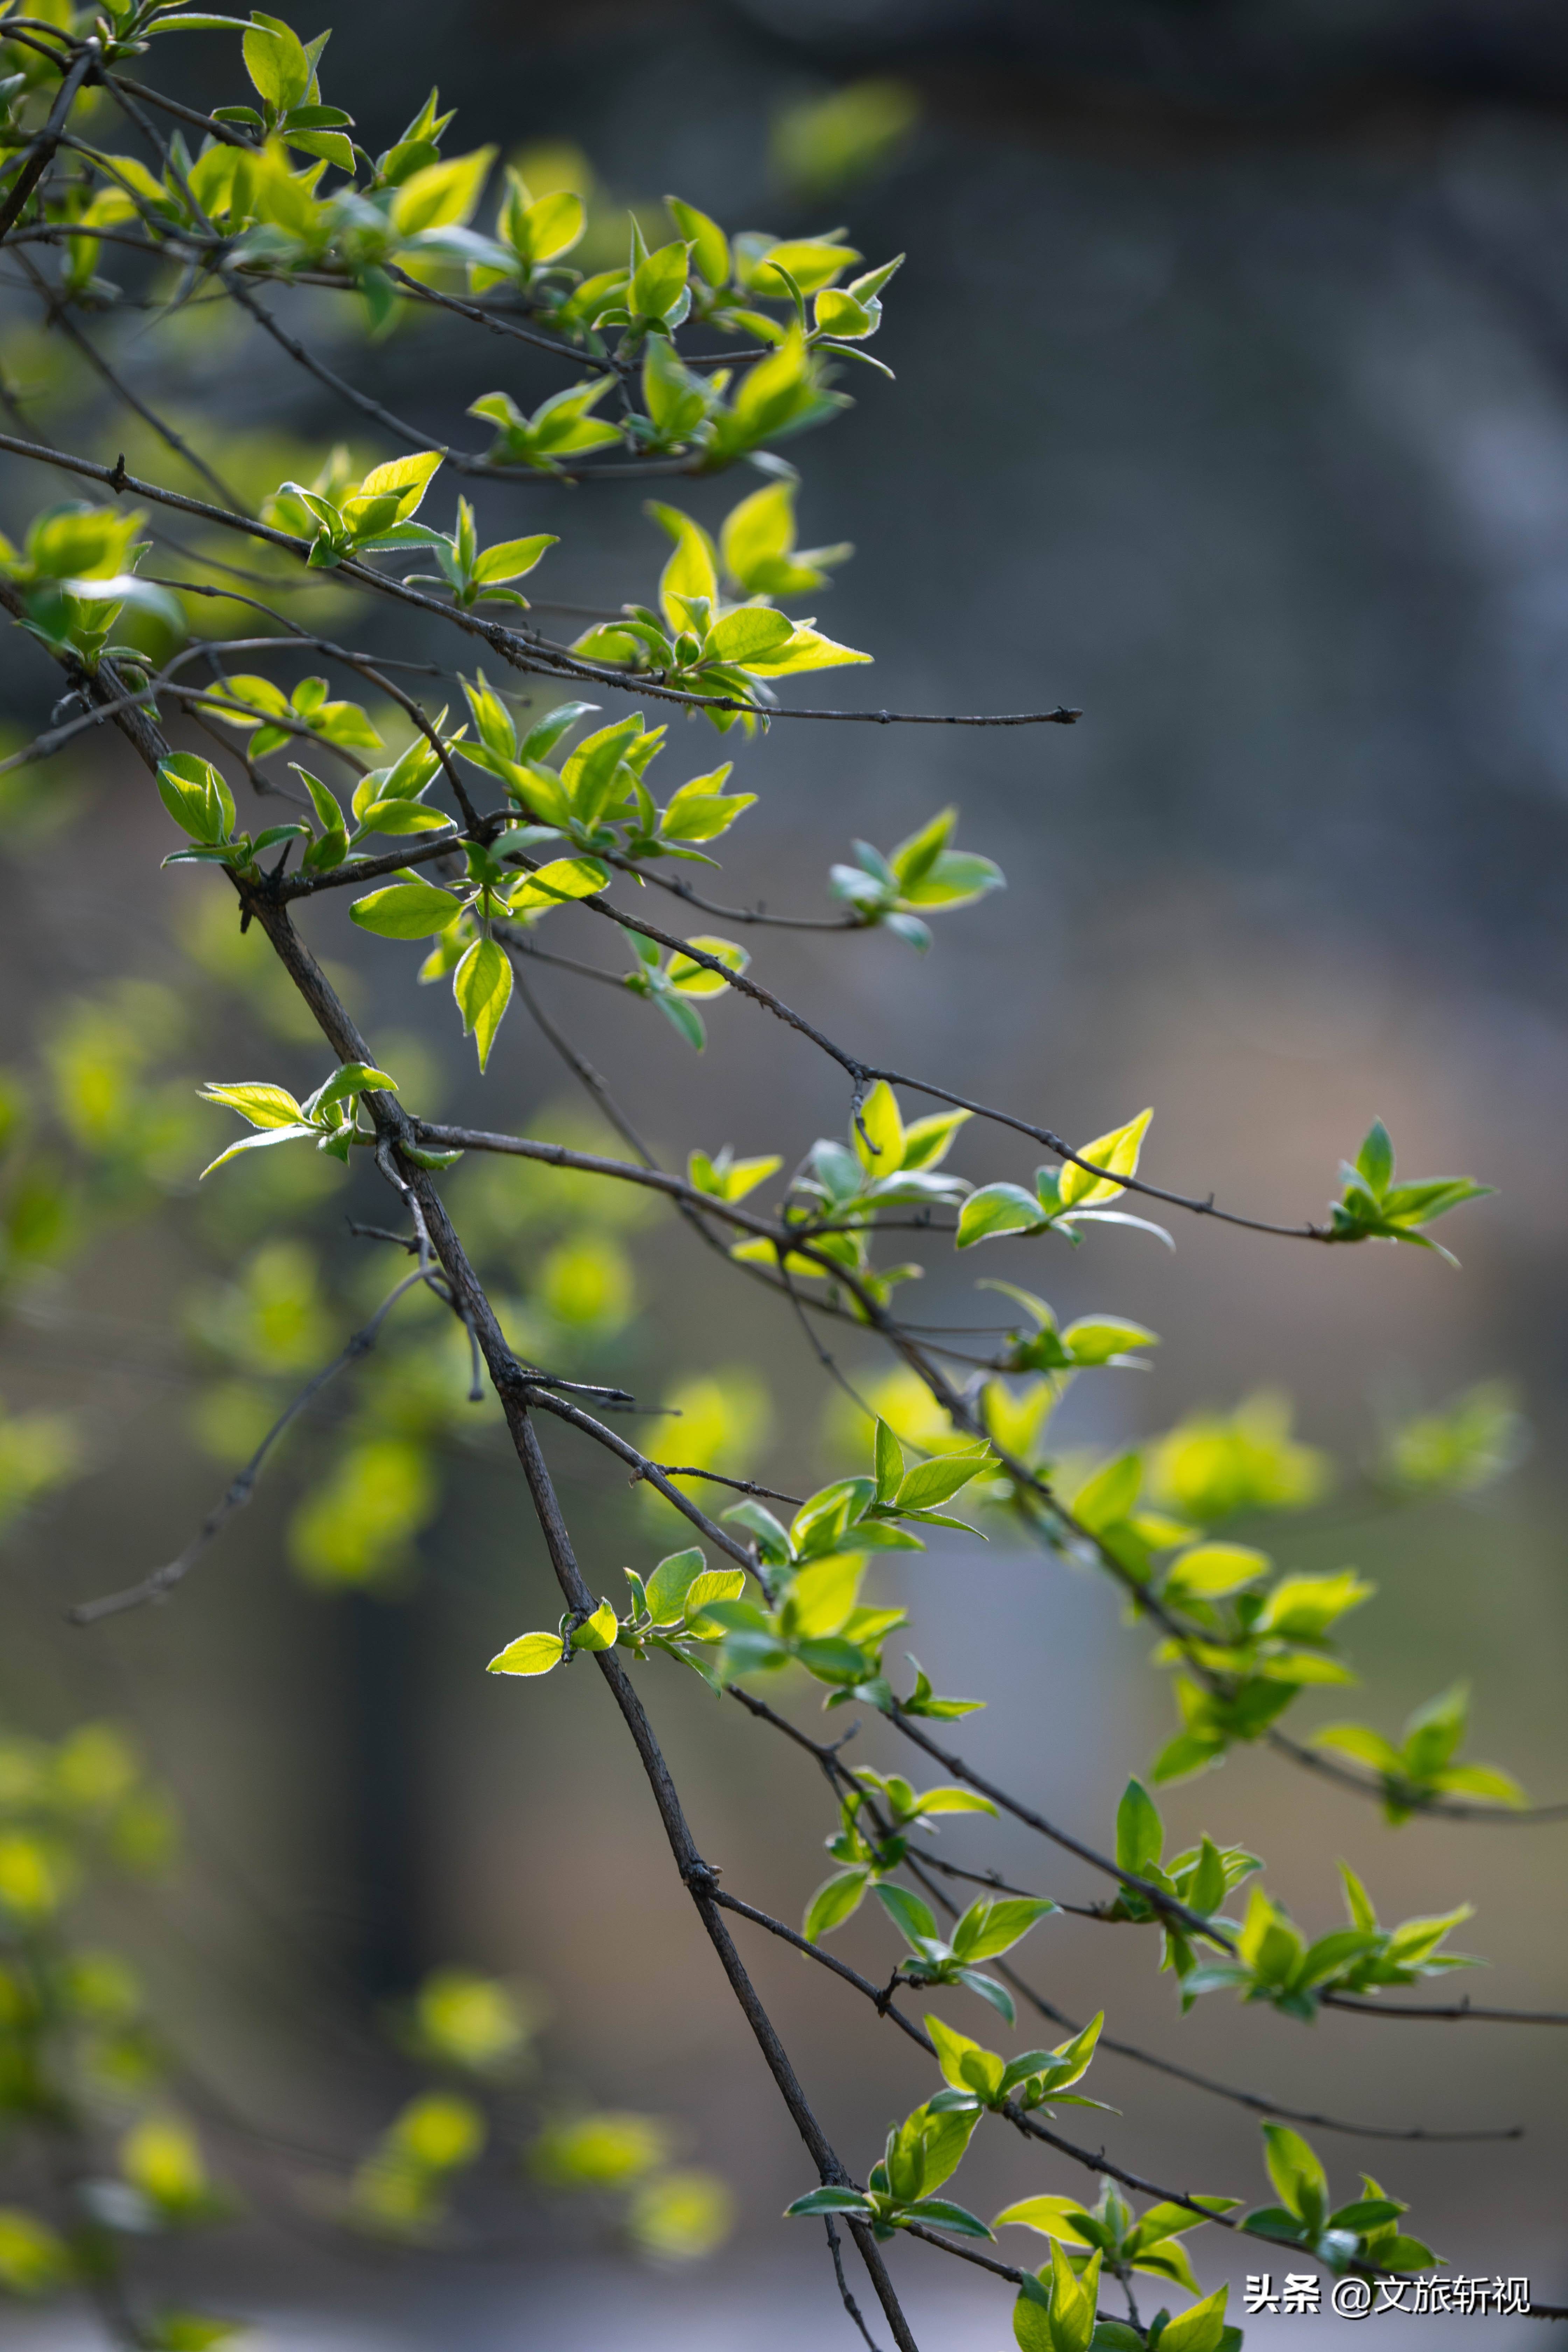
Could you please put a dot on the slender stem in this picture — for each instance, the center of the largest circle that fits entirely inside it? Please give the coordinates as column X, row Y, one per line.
column 42, row 149
column 240, row 1489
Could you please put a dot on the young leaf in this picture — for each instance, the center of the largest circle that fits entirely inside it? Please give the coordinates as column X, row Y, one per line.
column 530, row 1653
column 1115, row 1155
column 833, row 1902
column 482, row 987
column 908, row 1912
column 406, row 911
column 1298, row 2175
column 1200, row 2329
column 1139, row 1832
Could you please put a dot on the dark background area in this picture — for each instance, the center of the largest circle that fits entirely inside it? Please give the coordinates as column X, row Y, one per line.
column 1233, row 407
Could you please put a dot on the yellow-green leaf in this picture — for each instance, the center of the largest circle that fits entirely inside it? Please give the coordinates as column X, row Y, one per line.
column 530, row 1653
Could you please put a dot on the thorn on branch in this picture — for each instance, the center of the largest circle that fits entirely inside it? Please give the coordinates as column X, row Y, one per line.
column 117, row 475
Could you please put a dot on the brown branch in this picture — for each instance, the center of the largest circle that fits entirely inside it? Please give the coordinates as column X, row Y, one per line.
column 534, row 653
column 1426, row 1805
column 57, row 314
column 920, row 1867
column 1458, row 2014
column 42, row 150
column 1166, row 1905
column 1022, row 2119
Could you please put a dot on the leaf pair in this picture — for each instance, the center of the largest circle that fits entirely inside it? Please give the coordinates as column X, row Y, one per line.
column 197, row 798
column 672, row 978
column 481, row 972
column 1149, row 2242
column 1424, row 1765
column 923, row 874
column 1065, row 1197
column 537, row 1654
column 329, row 1116
column 980, row 2077
column 1373, row 1207
column 1365, row 2231
column 989, row 1928
column 921, row 2153
column 371, row 516
column 479, row 575
column 1274, row 1962
column 277, row 717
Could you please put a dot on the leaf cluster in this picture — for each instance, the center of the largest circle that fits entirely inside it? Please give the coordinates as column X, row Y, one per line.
column 1365, row 2232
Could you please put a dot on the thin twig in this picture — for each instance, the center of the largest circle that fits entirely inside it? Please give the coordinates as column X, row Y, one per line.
column 239, row 1492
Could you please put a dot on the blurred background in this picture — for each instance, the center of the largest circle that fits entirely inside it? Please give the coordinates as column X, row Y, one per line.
column 1232, row 407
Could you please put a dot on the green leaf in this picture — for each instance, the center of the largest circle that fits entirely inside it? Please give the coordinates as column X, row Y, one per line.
column 889, row 1456
column 693, row 979
column 260, row 693
column 833, row 1902
column 598, row 1632
column 827, row 2201
column 659, row 282
column 482, row 987
column 927, row 1141
column 406, row 911
column 1139, row 1832
column 441, row 196
column 353, row 1078
column 670, row 1581
column 263, row 1104
column 563, row 879
column 1106, row 1499
column 709, row 245
column 988, row 1929
column 997, row 1209
column 1032, row 2322
column 1115, row 1153
column 908, row 1912
column 805, row 648
column 258, row 1142
column 940, row 2213
column 838, row 313
column 811, row 262
column 931, row 1482
column 1434, row 1732
column 748, row 634
column 275, row 61
column 1098, row 1338
column 512, row 559
column 1072, row 2311
column 1402, row 2254
column 688, row 1021
column 196, row 797
column 1210, row 1571
column 1361, row 1744
column 1366, row 2213
column 1303, row 1608
column 530, row 1653
column 1201, row 2329
column 713, row 1584
column 1167, row 2220
column 1374, row 1160
column 1052, row 2216
column 404, row 480
column 1299, row 2177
